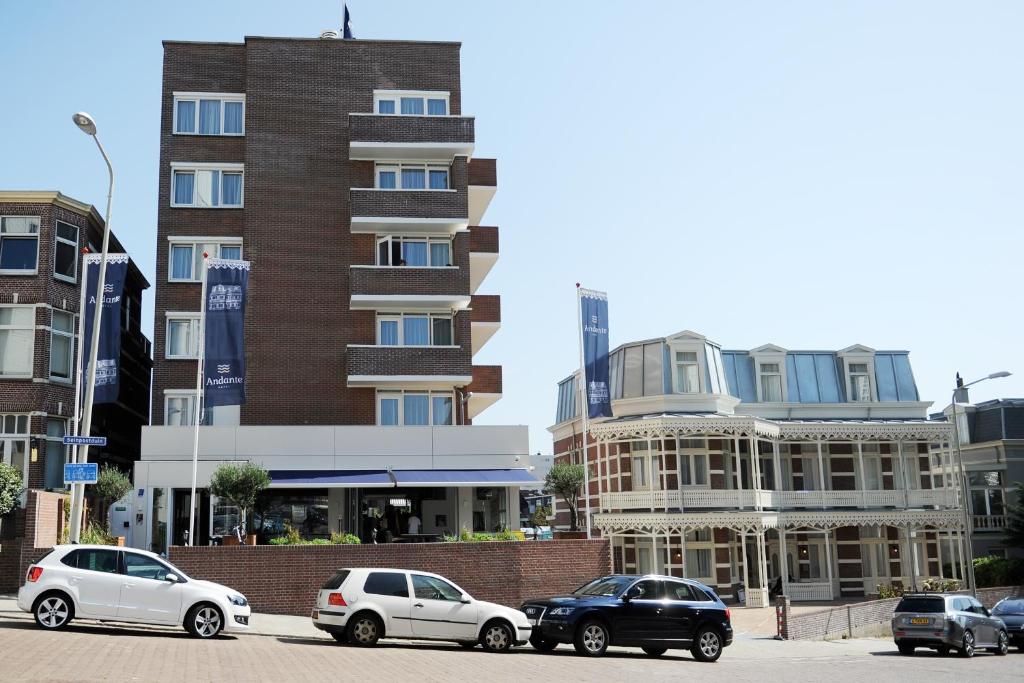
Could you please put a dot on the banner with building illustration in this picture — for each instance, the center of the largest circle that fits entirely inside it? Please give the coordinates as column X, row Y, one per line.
column 108, row 359
column 594, row 312
column 224, row 368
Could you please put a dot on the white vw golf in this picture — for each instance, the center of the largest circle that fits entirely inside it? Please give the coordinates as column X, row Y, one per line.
column 361, row 606
column 114, row 584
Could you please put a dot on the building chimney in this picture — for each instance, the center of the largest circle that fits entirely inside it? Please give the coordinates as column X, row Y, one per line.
column 961, row 395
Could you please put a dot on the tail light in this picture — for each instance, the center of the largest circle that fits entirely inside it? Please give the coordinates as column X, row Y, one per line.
column 336, row 600
column 728, row 614
column 34, row 573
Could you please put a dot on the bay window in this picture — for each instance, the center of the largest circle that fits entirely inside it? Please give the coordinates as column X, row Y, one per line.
column 206, row 186
column 62, row 344
column 209, row 114
column 19, row 245
column 186, row 256
column 412, row 408
column 65, row 252
column 687, row 373
column 182, row 335
column 412, row 176
column 414, row 329
column 17, row 340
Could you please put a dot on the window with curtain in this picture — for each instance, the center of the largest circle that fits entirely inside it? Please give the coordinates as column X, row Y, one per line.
column 438, row 179
column 179, row 411
column 234, row 113
column 416, row 330
column 771, row 383
column 442, row 410
column 62, row 344
column 182, row 337
column 231, row 252
column 19, row 244
column 186, row 258
column 387, row 178
column 65, row 252
column 698, row 562
column 437, row 107
column 14, row 431
column 416, row 408
column 17, row 337
column 207, row 188
column 687, row 373
column 412, row 105
column 385, row 106
column 388, row 411
column 411, row 102
column 442, row 331
column 387, row 332
column 56, row 453
column 210, row 115
column 413, row 178
column 232, row 195
column 184, row 187
column 185, row 116
column 440, row 253
column 860, row 382
column 415, row 253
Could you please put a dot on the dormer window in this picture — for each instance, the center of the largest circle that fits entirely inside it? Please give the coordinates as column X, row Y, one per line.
column 410, row 103
column 859, row 382
column 771, row 382
column 687, row 373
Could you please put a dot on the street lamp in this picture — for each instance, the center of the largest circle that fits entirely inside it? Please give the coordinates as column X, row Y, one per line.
column 964, row 488
column 88, row 126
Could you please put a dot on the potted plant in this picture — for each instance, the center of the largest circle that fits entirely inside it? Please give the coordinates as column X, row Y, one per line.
column 10, row 489
column 566, row 481
column 111, row 486
column 240, row 485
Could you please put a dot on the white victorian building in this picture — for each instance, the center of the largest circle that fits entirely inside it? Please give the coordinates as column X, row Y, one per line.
column 812, row 473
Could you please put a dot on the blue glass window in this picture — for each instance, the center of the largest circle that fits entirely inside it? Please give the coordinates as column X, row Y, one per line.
column 385, row 106
column 232, row 189
column 414, row 179
column 389, row 332
column 416, row 331
column 386, row 180
column 184, row 184
column 233, row 114
column 440, row 254
column 417, row 409
column 437, row 107
column 181, row 262
column 438, row 179
column 414, row 253
column 231, row 253
column 442, row 410
column 412, row 105
column 389, row 411
column 209, row 117
column 186, row 116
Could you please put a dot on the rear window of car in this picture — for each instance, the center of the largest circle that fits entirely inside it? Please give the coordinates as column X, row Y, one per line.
column 335, row 581
column 391, row 584
column 925, row 605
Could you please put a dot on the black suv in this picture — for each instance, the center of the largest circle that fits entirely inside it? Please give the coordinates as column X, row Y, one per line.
column 653, row 612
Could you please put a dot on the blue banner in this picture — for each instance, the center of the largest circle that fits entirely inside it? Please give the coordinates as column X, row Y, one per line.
column 108, row 360
column 224, row 368
column 594, row 312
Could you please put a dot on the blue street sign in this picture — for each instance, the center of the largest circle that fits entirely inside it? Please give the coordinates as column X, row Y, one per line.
column 81, row 473
column 85, row 441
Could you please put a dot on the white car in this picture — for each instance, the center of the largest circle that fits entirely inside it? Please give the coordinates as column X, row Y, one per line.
column 121, row 584
column 361, row 606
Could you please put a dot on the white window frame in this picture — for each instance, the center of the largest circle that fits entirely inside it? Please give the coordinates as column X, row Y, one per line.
column 676, row 385
column 195, row 97
column 400, row 394
column 858, row 356
column 762, row 373
column 650, row 461
column 195, row 169
column 190, row 405
column 400, row 319
column 400, row 239
column 193, row 331
column 57, row 240
column 691, row 454
column 22, row 436
column 397, row 95
column 70, row 336
column 867, row 374
column 193, row 242
column 398, row 166
column 31, row 327
column 22, row 236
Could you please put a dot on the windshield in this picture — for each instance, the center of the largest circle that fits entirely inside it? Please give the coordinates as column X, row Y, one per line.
column 1009, row 607
column 926, row 605
column 174, row 570
column 608, row 586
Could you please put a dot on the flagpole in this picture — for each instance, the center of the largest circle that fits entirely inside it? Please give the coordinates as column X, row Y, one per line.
column 198, row 403
column 584, row 406
column 82, row 279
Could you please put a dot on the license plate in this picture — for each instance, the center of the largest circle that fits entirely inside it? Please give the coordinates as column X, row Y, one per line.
column 316, row 614
column 920, row 620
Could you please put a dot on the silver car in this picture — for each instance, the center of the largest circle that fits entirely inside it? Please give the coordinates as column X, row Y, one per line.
column 946, row 622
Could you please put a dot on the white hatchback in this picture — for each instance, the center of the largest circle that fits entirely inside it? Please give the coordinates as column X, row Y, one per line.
column 114, row 584
column 361, row 606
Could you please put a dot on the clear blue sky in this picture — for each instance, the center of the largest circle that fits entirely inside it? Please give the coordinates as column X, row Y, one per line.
column 803, row 173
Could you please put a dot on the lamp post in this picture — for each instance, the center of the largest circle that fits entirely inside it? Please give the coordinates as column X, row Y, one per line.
column 964, row 487
column 88, row 126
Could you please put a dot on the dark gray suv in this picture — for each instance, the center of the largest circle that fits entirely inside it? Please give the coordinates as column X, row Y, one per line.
column 946, row 622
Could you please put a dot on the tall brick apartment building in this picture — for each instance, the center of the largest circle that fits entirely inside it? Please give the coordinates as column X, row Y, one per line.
column 41, row 238
column 815, row 473
column 344, row 171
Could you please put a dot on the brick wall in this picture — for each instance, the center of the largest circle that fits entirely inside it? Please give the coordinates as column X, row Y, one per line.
column 483, row 172
column 284, row 580
column 483, row 239
column 413, row 203
column 408, row 360
column 364, row 128
column 486, row 308
column 486, row 379
column 41, row 523
column 401, row 280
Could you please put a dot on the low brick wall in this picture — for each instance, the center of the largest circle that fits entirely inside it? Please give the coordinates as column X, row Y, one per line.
column 285, row 579
column 856, row 619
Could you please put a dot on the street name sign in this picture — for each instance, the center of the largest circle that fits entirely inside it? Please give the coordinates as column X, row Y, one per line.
column 85, row 441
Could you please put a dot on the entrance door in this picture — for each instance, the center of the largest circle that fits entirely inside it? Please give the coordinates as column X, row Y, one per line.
column 438, row 610
column 182, row 510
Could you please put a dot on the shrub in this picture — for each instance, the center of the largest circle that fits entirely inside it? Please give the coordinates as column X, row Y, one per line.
column 885, row 592
column 998, row 571
column 566, row 481
column 10, row 488
column 111, row 486
column 345, row 539
column 240, row 485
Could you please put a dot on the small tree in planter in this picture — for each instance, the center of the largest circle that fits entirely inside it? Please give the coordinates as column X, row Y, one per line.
column 111, row 486
column 10, row 489
column 566, row 480
column 240, row 485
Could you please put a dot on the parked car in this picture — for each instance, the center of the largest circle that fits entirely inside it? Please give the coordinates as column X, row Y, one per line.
column 361, row 606
column 113, row 584
column 1011, row 611
column 946, row 622
column 656, row 613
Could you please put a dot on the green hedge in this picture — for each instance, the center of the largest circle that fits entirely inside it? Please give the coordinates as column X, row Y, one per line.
column 998, row 571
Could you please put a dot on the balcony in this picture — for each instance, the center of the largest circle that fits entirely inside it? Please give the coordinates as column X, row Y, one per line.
column 485, row 388
column 374, row 137
column 483, row 183
column 483, row 253
column 408, row 211
column 485, row 318
column 425, row 367
column 410, row 288
column 989, row 522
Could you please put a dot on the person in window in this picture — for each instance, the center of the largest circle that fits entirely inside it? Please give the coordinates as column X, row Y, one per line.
column 383, row 533
column 401, row 261
column 414, row 524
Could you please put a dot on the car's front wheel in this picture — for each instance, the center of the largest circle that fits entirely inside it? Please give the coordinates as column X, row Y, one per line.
column 967, row 645
column 1002, row 644
column 655, row 651
column 542, row 644
column 591, row 639
column 364, row 630
column 707, row 647
column 53, row 611
column 497, row 637
column 204, row 621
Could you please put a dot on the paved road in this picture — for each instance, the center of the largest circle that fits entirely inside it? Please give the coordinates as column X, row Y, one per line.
column 92, row 651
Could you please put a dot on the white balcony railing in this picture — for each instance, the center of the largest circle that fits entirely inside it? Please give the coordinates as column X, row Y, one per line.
column 702, row 498
column 990, row 522
column 925, row 497
column 819, row 590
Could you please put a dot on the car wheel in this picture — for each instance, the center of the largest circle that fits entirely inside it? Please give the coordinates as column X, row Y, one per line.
column 468, row 644
column 204, row 621
column 497, row 637
column 53, row 611
column 967, row 646
column 591, row 639
column 541, row 644
column 364, row 629
column 655, row 651
column 905, row 650
column 1002, row 644
column 340, row 636
column 707, row 647
column 943, row 651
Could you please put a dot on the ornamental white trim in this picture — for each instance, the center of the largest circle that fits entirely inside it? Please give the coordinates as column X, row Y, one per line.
column 831, row 519
column 227, row 264
column 111, row 258
column 658, row 427
column 861, row 431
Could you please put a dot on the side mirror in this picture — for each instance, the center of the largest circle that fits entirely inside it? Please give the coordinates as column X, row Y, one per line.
column 987, row 611
column 465, row 599
column 171, row 578
column 626, row 597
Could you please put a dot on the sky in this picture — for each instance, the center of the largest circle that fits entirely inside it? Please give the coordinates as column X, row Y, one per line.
column 808, row 174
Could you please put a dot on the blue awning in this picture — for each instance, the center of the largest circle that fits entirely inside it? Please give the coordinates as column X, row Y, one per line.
column 519, row 477
column 331, row 478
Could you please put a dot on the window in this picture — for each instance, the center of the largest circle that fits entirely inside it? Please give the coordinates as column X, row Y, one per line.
column 56, row 453
column 142, row 567
column 179, row 410
column 419, row 252
column 398, row 329
column 413, row 176
column 17, row 336
column 698, row 562
column 19, row 245
column 414, row 408
column 209, row 114
column 410, row 103
column 392, row 584
column 860, row 382
column 432, row 588
column 693, row 468
column 771, row 383
column 684, row 592
column 986, row 493
column 14, row 444
column 648, row 589
column 182, row 335
column 96, row 560
column 186, row 257
column 206, row 186
column 65, row 252
column 687, row 373
column 645, row 472
column 62, row 343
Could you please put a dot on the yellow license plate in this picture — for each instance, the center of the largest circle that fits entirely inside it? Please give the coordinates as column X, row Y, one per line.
column 919, row 620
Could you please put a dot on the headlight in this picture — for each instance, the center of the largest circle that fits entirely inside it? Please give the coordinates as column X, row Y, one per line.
column 561, row 611
column 238, row 600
